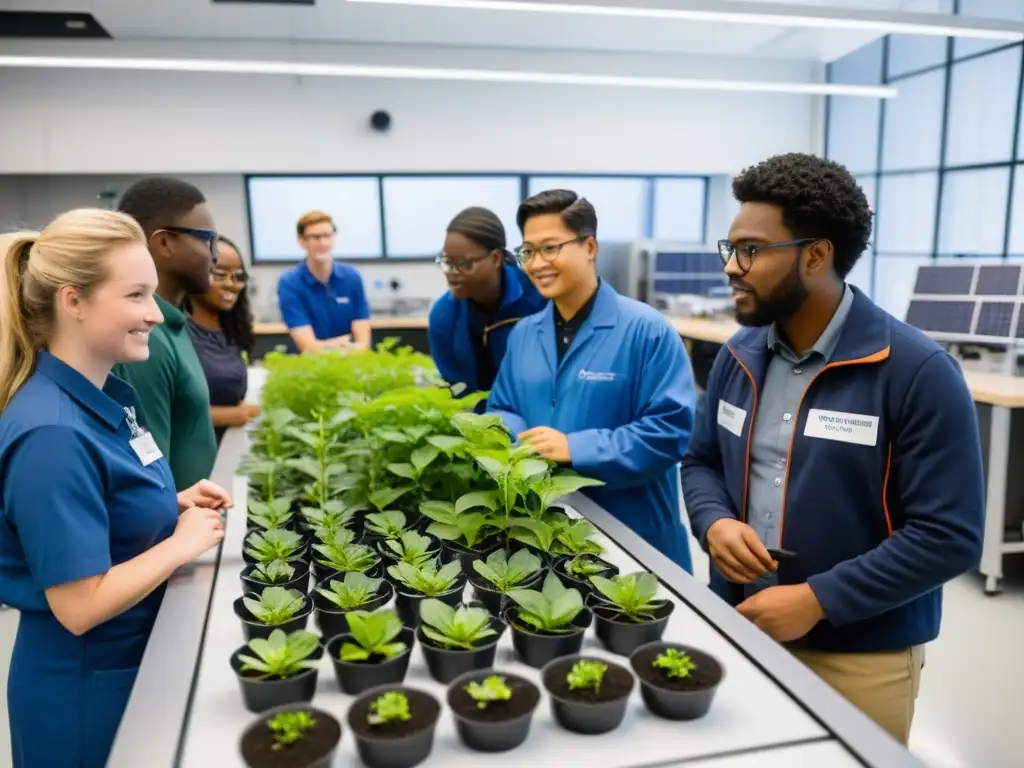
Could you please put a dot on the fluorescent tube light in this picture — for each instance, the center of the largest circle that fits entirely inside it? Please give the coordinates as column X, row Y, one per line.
column 309, row 69
column 748, row 13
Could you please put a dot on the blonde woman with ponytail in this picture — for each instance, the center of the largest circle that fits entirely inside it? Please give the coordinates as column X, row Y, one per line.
column 90, row 524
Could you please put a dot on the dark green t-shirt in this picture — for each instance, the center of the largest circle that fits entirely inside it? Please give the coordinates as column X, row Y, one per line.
column 174, row 399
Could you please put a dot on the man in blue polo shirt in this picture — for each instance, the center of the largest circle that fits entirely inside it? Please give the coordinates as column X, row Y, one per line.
column 323, row 303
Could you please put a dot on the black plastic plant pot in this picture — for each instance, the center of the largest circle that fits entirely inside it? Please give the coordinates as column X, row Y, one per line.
column 621, row 635
column 261, row 695
column 446, row 664
column 316, row 748
column 331, row 619
column 400, row 744
column 501, row 725
column 453, row 549
column 586, row 711
column 408, row 603
column 254, row 628
column 583, row 585
column 354, row 678
column 299, row 581
column 323, row 572
column 685, row 698
column 536, row 649
column 491, row 598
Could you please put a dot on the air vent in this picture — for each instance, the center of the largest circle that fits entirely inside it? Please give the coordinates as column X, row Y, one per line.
column 50, row 24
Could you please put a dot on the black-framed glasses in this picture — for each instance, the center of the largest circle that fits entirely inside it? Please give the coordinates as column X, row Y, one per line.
column 208, row 236
column 745, row 253
column 462, row 265
column 548, row 252
column 222, row 275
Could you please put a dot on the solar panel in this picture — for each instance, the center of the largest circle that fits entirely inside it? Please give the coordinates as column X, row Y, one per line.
column 941, row 316
column 948, row 280
column 995, row 319
column 998, row 280
column 690, row 263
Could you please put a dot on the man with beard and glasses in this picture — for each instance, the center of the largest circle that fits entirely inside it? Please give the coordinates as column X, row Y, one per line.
column 834, row 474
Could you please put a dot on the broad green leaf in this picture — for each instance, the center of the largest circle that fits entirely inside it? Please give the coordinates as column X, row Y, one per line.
column 476, row 499
column 447, row 443
column 557, row 486
column 444, row 531
column 527, row 469
column 565, row 608
column 307, row 465
column 403, row 470
column 491, row 466
column 441, row 511
column 422, row 457
column 416, row 434
column 385, row 497
column 436, row 613
column 353, row 653
column 392, row 436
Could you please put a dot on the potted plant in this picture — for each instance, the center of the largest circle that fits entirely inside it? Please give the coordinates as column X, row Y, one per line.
column 411, row 547
column 577, row 570
column 457, row 640
column 546, row 624
column 292, row 736
column 677, row 682
column 394, row 727
column 280, row 669
column 265, row 515
column 276, row 573
column 325, row 521
column 467, row 535
column 274, row 544
column 275, row 608
column 343, row 554
column 626, row 611
column 493, row 579
column 588, row 695
column 384, row 525
column 413, row 584
column 375, row 651
column 492, row 711
column 335, row 597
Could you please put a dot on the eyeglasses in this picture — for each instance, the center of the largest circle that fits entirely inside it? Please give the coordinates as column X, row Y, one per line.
column 745, row 254
column 221, row 275
column 548, row 252
column 208, row 236
column 462, row 265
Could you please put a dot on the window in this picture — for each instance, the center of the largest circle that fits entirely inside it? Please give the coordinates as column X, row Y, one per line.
column 417, row 209
column 894, row 282
column 679, row 209
column 1016, row 247
column 277, row 203
column 911, row 53
column 860, row 67
column 906, row 213
column 913, row 123
column 853, row 132
column 982, row 108
column 621, row 203
column 1010, row 10
column 973, row 216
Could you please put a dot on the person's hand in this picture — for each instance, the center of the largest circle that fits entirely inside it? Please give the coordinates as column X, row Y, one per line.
column 248, row 411
column 340, row 342
column 784, row 613
column 549, row 443
column 737, row 551
column 204, row 494
column 198, row 529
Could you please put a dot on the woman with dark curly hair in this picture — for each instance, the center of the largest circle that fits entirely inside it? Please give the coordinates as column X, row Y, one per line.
column 220, row 323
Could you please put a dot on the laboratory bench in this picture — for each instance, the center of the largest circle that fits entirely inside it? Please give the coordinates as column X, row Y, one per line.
column 410, row 330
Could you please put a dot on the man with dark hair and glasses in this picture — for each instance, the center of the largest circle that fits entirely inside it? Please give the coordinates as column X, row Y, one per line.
column 835, row 471
column 172, row 390
column 596, row 381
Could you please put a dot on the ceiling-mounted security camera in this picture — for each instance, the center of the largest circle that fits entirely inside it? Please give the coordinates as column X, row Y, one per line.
column 380, row 121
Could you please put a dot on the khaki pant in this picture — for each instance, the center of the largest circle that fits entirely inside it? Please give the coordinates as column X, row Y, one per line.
column 881, row 685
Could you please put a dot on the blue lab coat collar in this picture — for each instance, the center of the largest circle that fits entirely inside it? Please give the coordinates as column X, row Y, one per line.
column 605, row 314
column 107, row 404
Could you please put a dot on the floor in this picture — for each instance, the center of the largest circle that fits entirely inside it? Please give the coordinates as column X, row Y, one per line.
column 969, row 713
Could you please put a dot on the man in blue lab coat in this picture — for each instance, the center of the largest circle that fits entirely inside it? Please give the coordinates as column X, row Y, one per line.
column 597, row 381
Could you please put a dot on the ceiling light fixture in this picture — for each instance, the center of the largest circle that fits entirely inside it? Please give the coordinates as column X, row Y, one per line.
column 310, row 69
column 930, row 24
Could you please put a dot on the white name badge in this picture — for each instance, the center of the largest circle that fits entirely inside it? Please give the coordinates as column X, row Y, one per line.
column 146, row 449
column 731, row 417
column 844, row 427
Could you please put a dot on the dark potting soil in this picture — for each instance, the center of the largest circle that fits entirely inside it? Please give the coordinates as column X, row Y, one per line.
column 423, row 708
column 524, row 698
column 261, row 751
column 617, row 683
column 706, row 675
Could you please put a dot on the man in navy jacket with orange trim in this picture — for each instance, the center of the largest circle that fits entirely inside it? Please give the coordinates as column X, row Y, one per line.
column 834, row 432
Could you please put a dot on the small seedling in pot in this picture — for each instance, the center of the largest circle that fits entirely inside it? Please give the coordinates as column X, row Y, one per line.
column 551, row 610
column 280, row 656
column 390, row 707
column 506, row 572
column 586, row 675
column 274, row 544
column 374, row 634
column 427, row 579
column 632, row 594
column 275, row 605
column 327, row 520
column 578, row 537
column 411, row 547
column 274, row 572
column 675, row 663
column 583, row 568
column 390, row 525
column 289, row 727
column 464, row 627
column 270, row 514
column 491, row 688
column 342, row 553
column 355, row 590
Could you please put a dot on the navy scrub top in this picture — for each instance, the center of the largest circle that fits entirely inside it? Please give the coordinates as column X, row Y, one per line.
column 76, row 500
column 223, row 366
column 330, row 309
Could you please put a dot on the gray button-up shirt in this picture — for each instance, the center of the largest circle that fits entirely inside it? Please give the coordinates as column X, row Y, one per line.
column 785, row 381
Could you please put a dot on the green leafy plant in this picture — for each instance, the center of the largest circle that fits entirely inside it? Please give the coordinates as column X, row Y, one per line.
column 266, row 464
column 534, row 533
column 289, row 727
column 491, row 688
column 274, row 544
column 577, row 537
column 275, row 605
column 584, row 568
column 411, row 547
column 281, row 656
column 506, row 572
column 390, row 525
column 427, row 579
column 389, row 707
column 374, row 635
column 355, row 590
column 342, row 553
column 675, row 663
column 547, row 490
column 586, row 675
column 632, row 594
column 467, row 528
column 328, row 519
column 270, row 514
column 464, row 627
column 274, row 572
column 551, row 610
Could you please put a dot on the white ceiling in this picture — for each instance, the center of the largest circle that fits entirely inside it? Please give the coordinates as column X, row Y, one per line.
column 341, row 21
